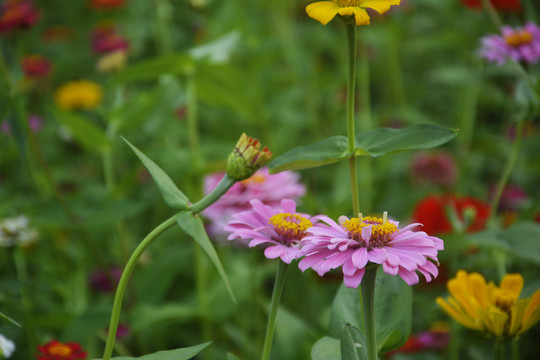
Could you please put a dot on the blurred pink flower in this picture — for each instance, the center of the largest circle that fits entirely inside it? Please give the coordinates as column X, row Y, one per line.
column 512, row 198
column 436, row 168
column 281, row 228
column 358, row 241
column 35, row 66
column 35, row 123
column 520, row 44
column 105, row 39
column 269, row 189
column 17, row 14
column 102, row 282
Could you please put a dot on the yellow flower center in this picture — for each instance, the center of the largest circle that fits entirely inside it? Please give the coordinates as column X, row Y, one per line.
column 380, row 232
column 504, row 300
column 349, row 3
column 519, row 38
column 291, row 227
column 60, row 350
column 255, row 179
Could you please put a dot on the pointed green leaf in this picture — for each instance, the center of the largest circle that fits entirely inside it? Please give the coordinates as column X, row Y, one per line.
column 393, row 311
column 177, row 354
column 4, row 316
column 171, row 194
column 384, row 141
column 86, row 133
column 326, row 348
column 353, row 344
column 194, row 227
column 324, row 152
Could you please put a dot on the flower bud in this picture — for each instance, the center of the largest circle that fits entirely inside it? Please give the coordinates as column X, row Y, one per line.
column 246, row 158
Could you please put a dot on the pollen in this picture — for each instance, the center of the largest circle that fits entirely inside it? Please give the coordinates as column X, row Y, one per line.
column 519, row 38
column 290, row 227
column 381, row 230
column 60, row 350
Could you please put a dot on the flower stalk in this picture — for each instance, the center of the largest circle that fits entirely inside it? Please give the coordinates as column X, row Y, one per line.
column 274, row 304
column 368, row 306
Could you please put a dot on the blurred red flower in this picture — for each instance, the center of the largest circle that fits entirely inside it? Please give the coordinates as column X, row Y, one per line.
column 35, row 66
column 55, row 350
column 105, row 39
column 431, row 212
column 17, row 14
column 512, row 5
column 106, row 4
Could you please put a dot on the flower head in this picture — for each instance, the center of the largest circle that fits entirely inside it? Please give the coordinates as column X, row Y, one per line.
column 437, row 168
column 7, row 347
column 35, row 66
column 353, row 243
column 511, row 5
column 324, row 11
column 79, row 94
column 519, row 44
column 494, row 310
column 432, row 212
column 111, row 62
column 269, row 189
column 105, row 39
column 17, row 232
column 246, row 158
column 105, row 282
column 55, row 350
column 281, row 228
column 17, row 14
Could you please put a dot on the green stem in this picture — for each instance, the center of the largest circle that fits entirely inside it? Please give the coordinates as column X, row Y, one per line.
column 515, row 349
column 122, row 285
column 492, row 13
column 351, row 81
column 510, row 163
column 108, row 170
column 365, row 163
column 368, row 301
column 274, row 304
column 224, row 185
column 192, row 115
column 499, row 350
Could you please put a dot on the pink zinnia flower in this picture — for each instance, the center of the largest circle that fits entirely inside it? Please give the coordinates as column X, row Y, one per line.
column 355, row 242
column 17, row 14
column 269, row 189
column 520, row 44
column 282, row 228
column 105, row 39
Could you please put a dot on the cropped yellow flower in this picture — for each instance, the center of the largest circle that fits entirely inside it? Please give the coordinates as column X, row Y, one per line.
column 79, row 94
column 491, row 309
column 324, row 11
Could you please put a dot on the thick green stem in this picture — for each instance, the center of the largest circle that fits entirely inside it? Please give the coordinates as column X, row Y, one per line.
column 122, row 285
column 224, row 185
column 368, row 302
column 351, row 81
column 510, row 163
column 499, row 350
column 274, row 304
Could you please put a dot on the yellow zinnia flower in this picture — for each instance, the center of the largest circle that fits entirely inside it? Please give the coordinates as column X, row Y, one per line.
column 324, row 11
column 79, row 94
column 491, row 309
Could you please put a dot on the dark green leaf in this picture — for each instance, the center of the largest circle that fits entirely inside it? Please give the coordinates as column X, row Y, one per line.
column 171, row 194
column 194, row 227
column 353, row 344
column 324, row 152
column 384, row 141
column 87, row 134
column 326, row 348
column 177, row 354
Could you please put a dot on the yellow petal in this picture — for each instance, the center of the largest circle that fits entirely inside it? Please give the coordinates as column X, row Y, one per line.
column 323, row 11
column 360, row 16
column 457, row 313
column 497, row 321
column 380, row 6
column 532, row 313
column 513, row 283
column 517, row 316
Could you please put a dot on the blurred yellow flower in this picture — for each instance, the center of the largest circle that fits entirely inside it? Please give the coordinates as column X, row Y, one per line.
column 79, row 94
column 324, row 11
column 114, row 61
column 491, row 309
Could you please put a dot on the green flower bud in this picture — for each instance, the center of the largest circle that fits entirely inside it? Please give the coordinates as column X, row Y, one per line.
column 246, row 158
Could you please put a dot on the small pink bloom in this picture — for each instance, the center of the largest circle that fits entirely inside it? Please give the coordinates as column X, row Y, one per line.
column 17, row 14
column 35, row 66
column 281, row 228
column 106, row 40
column 521, row 44
column 355, row 242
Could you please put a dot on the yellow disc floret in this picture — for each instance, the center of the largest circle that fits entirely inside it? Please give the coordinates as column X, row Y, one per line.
column 60, row 350
column 380, row 230
column 519, row 38
column 291, row 227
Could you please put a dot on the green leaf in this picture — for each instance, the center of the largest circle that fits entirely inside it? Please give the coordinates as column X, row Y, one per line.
column 393, row 311
column 194, row 227
column 88, row 135
column 177, row 354
column 152, row 69
column 171, row 194
column 353, row 344
column 232, row 357
column 4, row 316
column 385, row 141
column 324, row 152
column 326, row 348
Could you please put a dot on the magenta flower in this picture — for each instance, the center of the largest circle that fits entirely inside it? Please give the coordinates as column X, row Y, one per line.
column 520, row 44
column 282, row 228
column 358, row 241
column 269, row 189
column 436, row 168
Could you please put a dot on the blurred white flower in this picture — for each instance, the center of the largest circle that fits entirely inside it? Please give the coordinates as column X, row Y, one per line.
column 7, row 347
column 16, row 232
